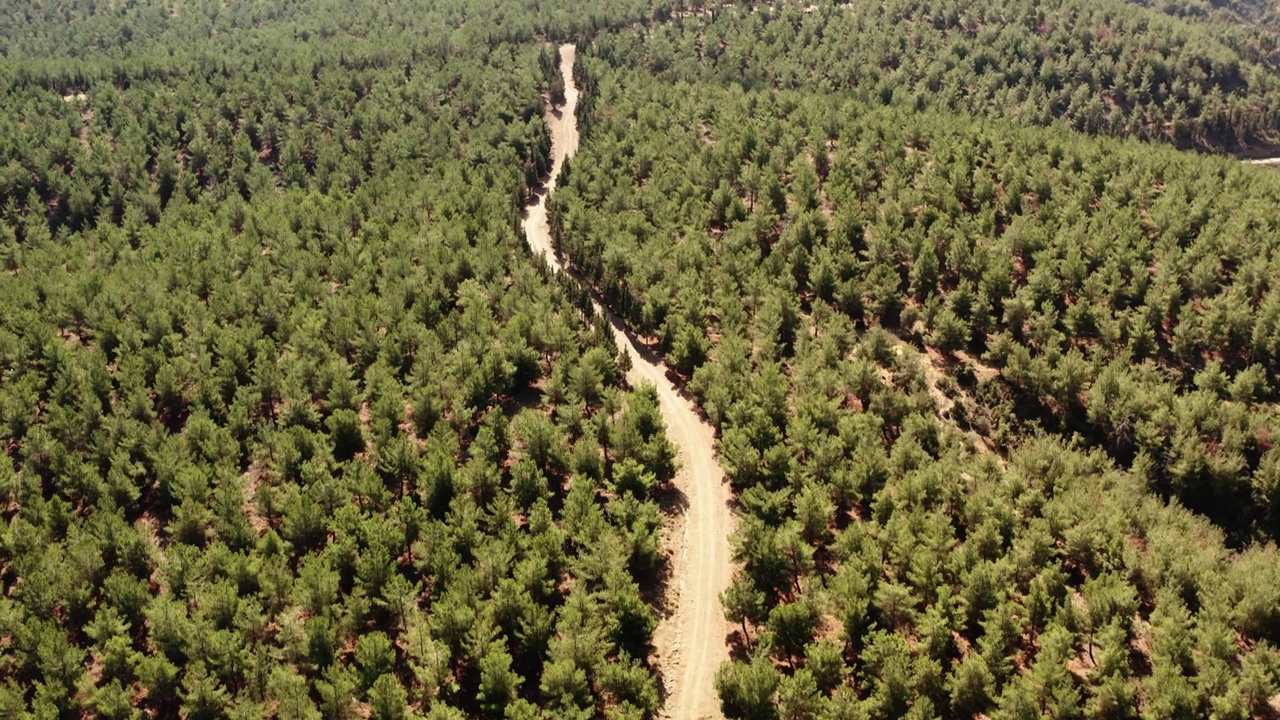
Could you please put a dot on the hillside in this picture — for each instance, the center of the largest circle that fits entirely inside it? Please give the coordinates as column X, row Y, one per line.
column 1204, row 81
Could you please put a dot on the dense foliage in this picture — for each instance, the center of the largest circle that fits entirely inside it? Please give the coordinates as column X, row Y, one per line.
column 907, row 327
column 293, row 428
column 291, row 425
column 1123, row 293
column 1102, row 66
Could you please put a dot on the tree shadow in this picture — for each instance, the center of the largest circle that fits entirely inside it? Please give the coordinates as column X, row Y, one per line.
column 656, row 584
column 528, row 397
column 661, row 677
column 532, row 201
column 643, row 349
column 671, row 500
column 739, row 646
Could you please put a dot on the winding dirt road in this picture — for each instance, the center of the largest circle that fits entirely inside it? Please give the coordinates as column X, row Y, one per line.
column 690, row 641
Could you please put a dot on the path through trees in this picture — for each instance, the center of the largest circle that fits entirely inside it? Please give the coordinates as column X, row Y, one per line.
column 691, row 640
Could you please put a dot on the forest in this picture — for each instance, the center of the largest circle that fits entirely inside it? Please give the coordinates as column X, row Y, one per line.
column 978, row 299
column 1187, row 75
column 291, row 427
column 1074, row 286
column 995, row 396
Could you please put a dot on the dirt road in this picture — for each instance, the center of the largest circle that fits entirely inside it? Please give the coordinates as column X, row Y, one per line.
column 691, row 639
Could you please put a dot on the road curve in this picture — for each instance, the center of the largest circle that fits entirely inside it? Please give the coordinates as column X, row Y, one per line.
column 690, row 641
